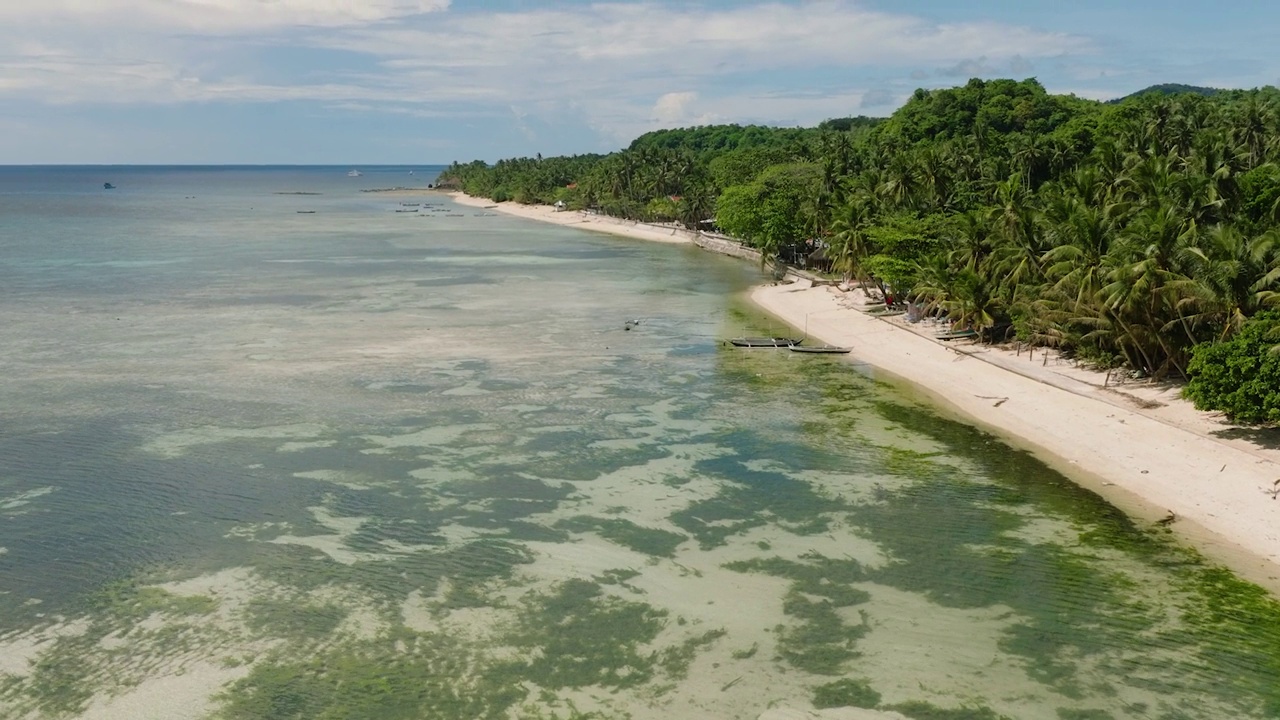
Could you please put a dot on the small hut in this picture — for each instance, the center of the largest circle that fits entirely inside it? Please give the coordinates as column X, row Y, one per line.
column 818, row 260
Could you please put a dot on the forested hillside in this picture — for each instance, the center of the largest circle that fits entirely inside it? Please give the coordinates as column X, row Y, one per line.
column 1170, row 89
column 1125, row 233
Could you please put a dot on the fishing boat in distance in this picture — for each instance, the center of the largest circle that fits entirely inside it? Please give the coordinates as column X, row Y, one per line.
column 764, row 342
column 354, row 173
column 821, row 349
column 108, row 186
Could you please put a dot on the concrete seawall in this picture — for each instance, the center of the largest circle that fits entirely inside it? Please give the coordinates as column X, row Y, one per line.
column 726, row 246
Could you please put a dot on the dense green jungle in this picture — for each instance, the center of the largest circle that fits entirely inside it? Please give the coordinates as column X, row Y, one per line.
column 1137, row 234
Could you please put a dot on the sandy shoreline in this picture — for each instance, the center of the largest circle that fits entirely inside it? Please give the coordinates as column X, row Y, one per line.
column 1139, row 445
column 582, row 220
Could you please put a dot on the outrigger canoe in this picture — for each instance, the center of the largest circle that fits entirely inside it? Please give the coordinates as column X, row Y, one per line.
column 765, row 342
column 820, row 349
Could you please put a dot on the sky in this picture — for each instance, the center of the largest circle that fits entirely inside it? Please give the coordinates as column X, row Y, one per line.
column 434, row 81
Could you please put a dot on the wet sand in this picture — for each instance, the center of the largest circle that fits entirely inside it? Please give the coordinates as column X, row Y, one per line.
column 1138, row 444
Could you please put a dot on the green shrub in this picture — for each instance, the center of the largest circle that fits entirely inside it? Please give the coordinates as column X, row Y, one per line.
column 1241, row 376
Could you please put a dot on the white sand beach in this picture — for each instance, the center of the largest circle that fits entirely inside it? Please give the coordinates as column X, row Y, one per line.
column 1138, row 444
column 579, row 219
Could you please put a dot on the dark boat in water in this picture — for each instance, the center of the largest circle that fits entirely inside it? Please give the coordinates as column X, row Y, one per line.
column 820, row 349
column 108, row 186
column 764, row 342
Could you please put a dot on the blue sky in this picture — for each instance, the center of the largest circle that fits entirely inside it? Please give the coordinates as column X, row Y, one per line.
column 432, row 81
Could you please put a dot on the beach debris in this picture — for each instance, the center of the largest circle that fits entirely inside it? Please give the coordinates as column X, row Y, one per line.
column 998, row 400
column 1273, row 491
column 1167, row 520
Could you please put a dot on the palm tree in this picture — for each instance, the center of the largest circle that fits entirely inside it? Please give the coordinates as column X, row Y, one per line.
column 1079, row 234
column 901, row 186
column 1252, row 126
column 1234, row 277
column 964, row 295
column 935, row 178
column 1030, row 155
column 1144, row 288
column 696, row 205
column 850, row 245
column 1011, row 217
column 971, row 241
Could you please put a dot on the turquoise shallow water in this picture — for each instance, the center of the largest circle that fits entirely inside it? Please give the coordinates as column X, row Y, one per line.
column 353, row 462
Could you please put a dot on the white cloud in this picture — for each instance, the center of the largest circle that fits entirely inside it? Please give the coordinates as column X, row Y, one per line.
column 214, row 16
column 621, row 68
column 676, row 108
column 682, row 40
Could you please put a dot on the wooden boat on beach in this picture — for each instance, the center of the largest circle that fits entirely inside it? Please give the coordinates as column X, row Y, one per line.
column 821, row 349
column 885, row 311
column 764, row 342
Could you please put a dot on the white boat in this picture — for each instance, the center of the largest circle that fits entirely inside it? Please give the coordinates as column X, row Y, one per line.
column 354, row 173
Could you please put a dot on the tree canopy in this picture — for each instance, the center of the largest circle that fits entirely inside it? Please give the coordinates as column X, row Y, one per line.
column 1126, row 233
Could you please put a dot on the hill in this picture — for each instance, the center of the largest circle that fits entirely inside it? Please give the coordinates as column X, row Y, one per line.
column 1169, row 89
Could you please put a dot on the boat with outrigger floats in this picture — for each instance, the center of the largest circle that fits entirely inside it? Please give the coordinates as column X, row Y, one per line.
column 764, row 342
column 821, row 349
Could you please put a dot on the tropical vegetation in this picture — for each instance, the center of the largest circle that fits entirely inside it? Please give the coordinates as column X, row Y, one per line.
column 1126, row 233
column 1241, row 376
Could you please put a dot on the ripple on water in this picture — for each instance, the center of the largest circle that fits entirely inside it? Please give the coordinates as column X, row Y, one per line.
column 521, row 509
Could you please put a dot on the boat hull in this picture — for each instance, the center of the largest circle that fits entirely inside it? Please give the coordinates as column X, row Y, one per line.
column 764, row 342
column 820, row 349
